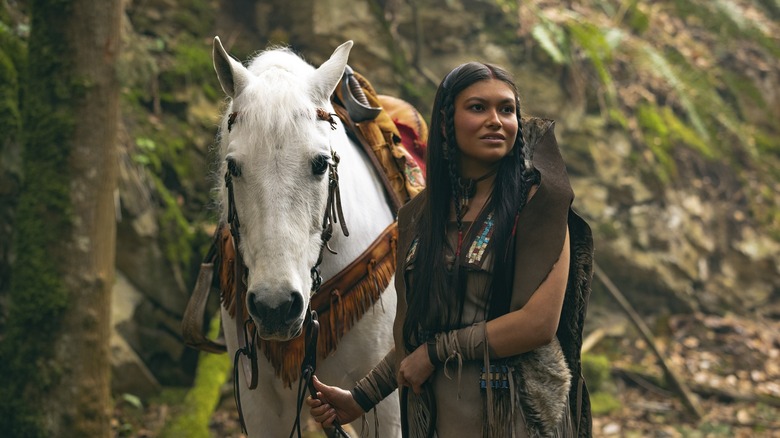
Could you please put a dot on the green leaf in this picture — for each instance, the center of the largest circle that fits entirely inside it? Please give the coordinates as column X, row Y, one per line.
column 132, row 400
column 545, row 36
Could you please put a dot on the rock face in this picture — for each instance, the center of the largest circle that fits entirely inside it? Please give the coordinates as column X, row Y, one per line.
column 149, row 298
column 676, row 246
column 687, row 244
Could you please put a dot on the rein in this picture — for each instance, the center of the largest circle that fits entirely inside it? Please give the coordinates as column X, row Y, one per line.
column 246, row 355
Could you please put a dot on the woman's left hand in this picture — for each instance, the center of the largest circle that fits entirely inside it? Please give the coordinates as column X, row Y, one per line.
column 415, row 369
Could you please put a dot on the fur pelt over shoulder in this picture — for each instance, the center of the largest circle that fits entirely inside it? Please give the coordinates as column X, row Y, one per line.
column 544, row 154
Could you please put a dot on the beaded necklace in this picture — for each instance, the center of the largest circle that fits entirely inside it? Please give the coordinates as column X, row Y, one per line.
column 467, row 188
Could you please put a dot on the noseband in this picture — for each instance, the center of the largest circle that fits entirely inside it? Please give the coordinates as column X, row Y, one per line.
column 246, row 354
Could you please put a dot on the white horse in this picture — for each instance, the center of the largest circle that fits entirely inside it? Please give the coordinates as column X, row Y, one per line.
column 276, row 147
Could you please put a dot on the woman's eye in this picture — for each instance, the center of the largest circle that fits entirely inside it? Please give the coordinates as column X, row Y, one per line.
column 319, row 164
column 233, row 166
column 508, row 110
column 477, row 107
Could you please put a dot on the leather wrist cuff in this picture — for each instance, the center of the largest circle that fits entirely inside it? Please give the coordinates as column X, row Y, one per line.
column 468, row 343
column 377, row 384
column 362, row 399
column 432, row 352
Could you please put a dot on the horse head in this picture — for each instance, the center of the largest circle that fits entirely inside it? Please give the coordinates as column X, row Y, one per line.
column 275, row 146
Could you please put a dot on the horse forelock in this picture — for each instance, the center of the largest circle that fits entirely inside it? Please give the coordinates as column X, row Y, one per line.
column 276, row 130
column 277, row 102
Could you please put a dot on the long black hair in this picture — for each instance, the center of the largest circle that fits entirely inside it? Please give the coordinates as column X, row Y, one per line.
column 435, row 301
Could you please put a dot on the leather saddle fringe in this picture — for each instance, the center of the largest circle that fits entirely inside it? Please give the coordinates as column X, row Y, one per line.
column 340, row 302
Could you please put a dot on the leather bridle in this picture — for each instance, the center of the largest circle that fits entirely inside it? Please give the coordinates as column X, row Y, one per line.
column 246, row 355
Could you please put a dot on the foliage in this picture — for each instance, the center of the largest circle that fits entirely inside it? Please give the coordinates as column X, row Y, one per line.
column 677, row 74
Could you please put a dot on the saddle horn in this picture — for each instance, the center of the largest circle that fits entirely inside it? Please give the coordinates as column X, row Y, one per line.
column 355, row 100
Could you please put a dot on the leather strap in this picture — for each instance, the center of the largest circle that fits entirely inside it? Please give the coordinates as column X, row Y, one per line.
column 356, row 130
column 194, row 314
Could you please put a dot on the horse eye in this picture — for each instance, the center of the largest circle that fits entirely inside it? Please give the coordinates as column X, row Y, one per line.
column 319, row 164
column 233, row 166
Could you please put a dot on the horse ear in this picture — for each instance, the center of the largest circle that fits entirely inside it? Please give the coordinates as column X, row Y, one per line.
column 329, row 74
column 232, row 75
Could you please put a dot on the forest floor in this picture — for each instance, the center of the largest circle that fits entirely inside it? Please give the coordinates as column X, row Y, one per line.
column 731, row 364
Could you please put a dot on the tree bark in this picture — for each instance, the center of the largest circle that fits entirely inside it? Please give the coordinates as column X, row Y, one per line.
column 57, row 344
column 81, row 404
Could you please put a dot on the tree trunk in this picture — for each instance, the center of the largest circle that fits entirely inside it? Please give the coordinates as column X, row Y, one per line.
column 57, row 343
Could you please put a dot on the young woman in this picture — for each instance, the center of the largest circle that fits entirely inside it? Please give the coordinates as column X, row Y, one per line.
column 493, row 275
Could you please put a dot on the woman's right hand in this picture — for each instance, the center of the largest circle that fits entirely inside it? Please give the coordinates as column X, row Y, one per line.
column 333, row 403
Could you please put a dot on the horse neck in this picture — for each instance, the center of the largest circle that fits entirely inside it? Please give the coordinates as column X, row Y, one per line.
column 364, row 203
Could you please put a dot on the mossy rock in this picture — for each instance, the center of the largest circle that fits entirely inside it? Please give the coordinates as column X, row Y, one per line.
column 595, row 369
column 603, row 403
column 202, row 399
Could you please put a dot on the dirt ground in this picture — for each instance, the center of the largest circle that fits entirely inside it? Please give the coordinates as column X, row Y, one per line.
column 730, row 364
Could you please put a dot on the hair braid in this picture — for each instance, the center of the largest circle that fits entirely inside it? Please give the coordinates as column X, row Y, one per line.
column 452, row 160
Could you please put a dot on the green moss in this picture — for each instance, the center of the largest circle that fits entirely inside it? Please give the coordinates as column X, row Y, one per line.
column 202, row 399
column 194, row 60
column 608, row 230
column 12, row 62
column 38, row 298
column 10, row 118
column 603, row 403
column 595, row 369
column 197, row 16
column 176, row 230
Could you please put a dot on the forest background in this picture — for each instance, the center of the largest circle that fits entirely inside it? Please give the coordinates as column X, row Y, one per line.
column 667, row 115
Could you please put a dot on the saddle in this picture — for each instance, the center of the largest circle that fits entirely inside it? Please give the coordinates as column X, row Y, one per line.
column 393, row 134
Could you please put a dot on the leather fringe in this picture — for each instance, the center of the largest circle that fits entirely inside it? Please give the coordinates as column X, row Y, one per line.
column 539, row 388
column 338, row 310
column 342, row 312
column 226, row 257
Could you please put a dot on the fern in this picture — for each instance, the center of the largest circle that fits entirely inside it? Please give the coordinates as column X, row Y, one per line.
column 598, row 46
column 657, row 63
column 729, row 22
column 551, row 39
column 656, row 135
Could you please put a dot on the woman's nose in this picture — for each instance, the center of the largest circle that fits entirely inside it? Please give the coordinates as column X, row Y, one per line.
column 493, row 119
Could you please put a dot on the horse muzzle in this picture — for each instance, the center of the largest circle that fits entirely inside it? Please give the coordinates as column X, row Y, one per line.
column 278, row 315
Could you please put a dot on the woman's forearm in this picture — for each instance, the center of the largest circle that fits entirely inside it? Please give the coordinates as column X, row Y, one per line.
column 377, row 384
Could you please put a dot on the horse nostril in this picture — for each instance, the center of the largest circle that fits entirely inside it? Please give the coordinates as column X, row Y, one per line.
column 252, row 304
column 284, row 311
column 295, row 307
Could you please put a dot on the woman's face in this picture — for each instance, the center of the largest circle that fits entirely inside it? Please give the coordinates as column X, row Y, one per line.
column 485, row 126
